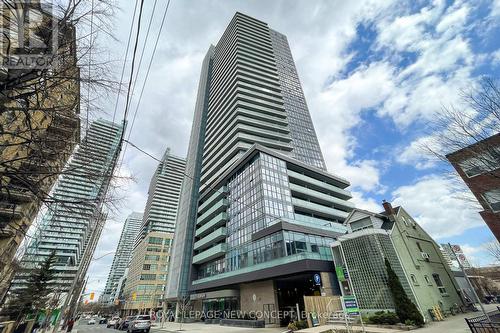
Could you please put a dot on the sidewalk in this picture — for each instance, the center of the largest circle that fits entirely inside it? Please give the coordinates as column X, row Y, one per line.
column 201, row 327
column 356, row 328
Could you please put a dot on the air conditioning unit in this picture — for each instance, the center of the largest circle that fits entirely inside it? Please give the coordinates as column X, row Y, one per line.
column 425, row 255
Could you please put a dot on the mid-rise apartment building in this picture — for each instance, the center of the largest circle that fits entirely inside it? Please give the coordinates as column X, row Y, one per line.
column 122, row 256
column 259, row 211
column 40, row 127
column 73, row 223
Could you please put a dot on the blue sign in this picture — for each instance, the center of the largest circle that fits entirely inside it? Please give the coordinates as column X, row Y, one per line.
column 317, row 279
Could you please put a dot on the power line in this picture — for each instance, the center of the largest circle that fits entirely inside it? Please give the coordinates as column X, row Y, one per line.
column 124, row 62
column 145, row 79
column 125, row 113
column 209, row 186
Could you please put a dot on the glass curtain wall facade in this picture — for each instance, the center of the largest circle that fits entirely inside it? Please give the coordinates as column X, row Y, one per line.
column 122, row 256
column 250, row 96
column 77, row 212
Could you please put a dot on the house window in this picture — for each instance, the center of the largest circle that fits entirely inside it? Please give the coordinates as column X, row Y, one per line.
column 414, row 279
column 493, row 199
column 419, row 247
column 439, row 284
column 405, row 221
column 427, row 280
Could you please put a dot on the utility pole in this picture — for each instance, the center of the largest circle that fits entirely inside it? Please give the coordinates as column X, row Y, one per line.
column 470, row 284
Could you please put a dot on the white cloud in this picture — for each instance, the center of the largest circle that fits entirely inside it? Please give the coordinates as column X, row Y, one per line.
column 418, row 155
column 365, row 203
column 495, row 8
column 438, row 206
column 338, row 109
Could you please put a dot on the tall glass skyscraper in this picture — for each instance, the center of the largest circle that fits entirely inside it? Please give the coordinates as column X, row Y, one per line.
column 259, row 204
column 77, row 212
column 122, row 255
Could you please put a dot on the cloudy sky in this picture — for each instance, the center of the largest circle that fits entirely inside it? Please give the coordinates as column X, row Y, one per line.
column 374, row 75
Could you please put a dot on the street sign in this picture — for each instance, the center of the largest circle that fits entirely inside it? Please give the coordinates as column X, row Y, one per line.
column 351, row 305
column 317, row 279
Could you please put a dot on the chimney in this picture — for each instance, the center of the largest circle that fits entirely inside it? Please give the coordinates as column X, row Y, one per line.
column 388, row 208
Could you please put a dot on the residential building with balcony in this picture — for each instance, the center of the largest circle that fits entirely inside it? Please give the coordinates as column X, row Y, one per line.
column 259, row 210
column 73, row 222
column 144, row 287
column 40, row 127
column 122, row 257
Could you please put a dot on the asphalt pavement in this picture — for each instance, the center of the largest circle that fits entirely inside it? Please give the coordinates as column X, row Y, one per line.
column 83, row 327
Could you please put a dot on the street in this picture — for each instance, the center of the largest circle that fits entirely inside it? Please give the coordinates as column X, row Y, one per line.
column 83, row 327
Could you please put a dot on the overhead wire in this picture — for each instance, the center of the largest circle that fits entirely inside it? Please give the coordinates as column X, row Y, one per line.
column 145, row 79
column 125, row 61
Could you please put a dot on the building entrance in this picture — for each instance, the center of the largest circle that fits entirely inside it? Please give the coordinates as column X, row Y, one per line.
column 291, row 291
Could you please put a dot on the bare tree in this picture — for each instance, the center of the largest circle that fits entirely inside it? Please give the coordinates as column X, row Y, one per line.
column 42, row 109
column 467, row 127
column 493, row 249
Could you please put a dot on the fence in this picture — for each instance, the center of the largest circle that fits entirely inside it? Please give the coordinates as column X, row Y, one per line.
column 481, row 324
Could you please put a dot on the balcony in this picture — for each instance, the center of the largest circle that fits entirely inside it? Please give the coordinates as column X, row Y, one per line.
column 215, row 222
column 211, row 238
column 214, row 197
column 18, row 194
column 212, row 253
column 217, row 208
column 320, row 210
column 11, row 211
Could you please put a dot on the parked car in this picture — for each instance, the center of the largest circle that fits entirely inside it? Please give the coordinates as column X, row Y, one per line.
column 141, row 323
column 113, row 322
column 103, row 320
column 125, row 322
column 91, row 321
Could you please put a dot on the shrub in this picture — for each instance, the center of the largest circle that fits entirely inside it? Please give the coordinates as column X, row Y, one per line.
column 384, row 318
column 409, row 322
column 404, row 307
column 301, row 324
column 292, row 327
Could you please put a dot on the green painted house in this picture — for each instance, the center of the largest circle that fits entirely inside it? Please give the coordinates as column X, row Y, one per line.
column 413, row 254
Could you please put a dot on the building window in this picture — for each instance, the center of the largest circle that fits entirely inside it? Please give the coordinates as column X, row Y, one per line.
column 493, row 199
column 427, row 280
column 414, row 279
column 146, row 267
column 481, row 163
column 148, row 277
column 439, row 284
column 155, row 240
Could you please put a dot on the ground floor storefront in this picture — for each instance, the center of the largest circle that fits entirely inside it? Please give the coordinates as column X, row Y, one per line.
column 277, row 301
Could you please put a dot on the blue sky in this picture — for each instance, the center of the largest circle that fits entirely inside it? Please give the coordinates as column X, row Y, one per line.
column 374, row 72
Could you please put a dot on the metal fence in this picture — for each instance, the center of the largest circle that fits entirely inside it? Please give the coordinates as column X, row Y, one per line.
column 481, row 324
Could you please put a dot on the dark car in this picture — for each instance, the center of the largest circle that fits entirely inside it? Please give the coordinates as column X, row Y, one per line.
column 103, row 320
column 125, row 322
column 141, row 323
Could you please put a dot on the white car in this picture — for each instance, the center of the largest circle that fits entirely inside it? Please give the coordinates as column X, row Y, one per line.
column 91, row 322
column 113, row 322
column 141, row 323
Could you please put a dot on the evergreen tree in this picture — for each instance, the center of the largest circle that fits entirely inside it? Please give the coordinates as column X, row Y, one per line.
column 405, row 309
column 35, row 295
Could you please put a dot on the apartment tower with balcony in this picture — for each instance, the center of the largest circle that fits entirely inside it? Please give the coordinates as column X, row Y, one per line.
column 73, row 222
column 148, row 268
column 259, row 210
column 122, row 257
